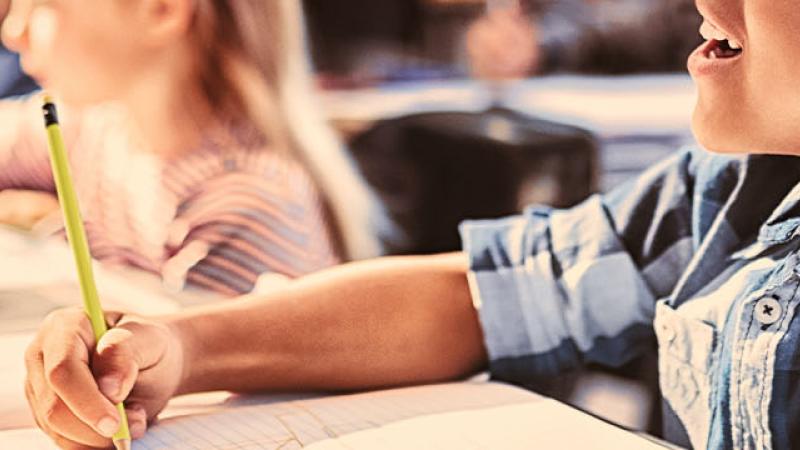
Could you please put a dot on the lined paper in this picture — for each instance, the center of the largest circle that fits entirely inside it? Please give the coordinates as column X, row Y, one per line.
column 474, row 415
column 297, row 424
column 545, row 424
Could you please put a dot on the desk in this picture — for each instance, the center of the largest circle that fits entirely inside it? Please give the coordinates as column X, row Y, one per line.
column 638, row 119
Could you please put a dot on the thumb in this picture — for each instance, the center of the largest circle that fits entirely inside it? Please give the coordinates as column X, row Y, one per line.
column 120, row 354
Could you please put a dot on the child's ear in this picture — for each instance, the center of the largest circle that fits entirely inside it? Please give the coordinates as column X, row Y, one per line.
column 166, row 20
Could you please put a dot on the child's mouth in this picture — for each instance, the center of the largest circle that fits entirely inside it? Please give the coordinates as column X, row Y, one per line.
column 721, row 49
column 719, row 54
column 719, row 44
column 713, row 56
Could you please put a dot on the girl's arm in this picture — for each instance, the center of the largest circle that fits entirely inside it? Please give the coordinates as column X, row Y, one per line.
column 27, row 192
column 24, row 160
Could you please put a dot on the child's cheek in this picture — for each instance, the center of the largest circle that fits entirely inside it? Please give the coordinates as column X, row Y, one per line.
column 43, row 29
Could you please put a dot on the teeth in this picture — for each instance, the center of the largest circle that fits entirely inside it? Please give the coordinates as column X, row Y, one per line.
column 709, row 32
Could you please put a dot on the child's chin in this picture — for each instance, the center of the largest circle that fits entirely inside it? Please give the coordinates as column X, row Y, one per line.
column 713, row 137
column 76, row 98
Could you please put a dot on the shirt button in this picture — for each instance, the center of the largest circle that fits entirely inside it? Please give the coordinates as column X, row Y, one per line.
column 667, row 332
column 768, row 310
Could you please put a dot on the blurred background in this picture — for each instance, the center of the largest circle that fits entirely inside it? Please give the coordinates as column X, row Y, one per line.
column 358, row 42
column 460, row 109
column 536, row 101
column 475, row 108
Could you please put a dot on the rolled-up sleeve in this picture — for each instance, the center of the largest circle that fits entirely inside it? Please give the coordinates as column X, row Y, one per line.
column 557, row 288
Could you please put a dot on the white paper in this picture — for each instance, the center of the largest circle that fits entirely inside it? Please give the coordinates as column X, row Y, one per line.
column 449, row 416
column 545, row 424
column 28, row 439
column 303, row 422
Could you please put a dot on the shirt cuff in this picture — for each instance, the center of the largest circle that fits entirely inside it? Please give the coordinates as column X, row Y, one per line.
column 519, row 306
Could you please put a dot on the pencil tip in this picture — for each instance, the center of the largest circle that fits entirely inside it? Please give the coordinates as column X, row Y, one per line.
column 46, row 98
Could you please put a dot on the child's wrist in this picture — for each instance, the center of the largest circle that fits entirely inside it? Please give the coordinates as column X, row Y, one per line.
column 182, row 333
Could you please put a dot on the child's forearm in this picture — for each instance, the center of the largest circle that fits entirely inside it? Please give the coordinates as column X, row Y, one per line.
column 363, row 325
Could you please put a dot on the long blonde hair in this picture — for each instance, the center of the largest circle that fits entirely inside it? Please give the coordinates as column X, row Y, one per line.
column 254, row 61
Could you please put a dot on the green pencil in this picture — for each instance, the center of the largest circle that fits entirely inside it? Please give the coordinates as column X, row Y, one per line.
column 76, row 235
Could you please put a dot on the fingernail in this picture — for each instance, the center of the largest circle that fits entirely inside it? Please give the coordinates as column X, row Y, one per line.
column 109, row 386
column 107, row 426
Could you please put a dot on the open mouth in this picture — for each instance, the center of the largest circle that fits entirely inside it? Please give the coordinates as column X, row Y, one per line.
column 721, row 49
column 720, row 53
column 720, row 44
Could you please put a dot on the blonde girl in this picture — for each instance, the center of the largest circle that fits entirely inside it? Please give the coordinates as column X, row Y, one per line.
column 197, row 147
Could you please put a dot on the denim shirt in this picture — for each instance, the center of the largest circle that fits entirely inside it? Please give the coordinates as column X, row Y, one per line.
column 699, row 253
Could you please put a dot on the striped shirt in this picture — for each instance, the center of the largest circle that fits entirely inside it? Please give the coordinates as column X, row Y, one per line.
column 700, row 255
column 217, row 217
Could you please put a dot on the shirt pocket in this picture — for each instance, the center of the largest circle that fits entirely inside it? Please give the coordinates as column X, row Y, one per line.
column 686, row 354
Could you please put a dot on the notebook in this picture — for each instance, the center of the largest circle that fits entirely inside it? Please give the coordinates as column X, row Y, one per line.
column 468, row 415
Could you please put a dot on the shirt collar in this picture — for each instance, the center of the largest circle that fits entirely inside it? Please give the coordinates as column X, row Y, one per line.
column 784, row 223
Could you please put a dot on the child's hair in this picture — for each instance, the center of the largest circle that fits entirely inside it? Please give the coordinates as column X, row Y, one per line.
column 254, row 65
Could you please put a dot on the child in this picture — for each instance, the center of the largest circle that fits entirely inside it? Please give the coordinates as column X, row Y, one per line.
column 701, row 253
column 197, row 151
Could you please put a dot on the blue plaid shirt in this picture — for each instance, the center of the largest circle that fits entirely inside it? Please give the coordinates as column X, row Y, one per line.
column 700, row 253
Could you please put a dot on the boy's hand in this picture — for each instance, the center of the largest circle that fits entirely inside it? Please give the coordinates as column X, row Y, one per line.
column 72, row 387
column 25, row 208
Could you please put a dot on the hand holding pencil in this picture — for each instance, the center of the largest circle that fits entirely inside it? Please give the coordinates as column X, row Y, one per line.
column 76, row 235
column 79, row 372
column 139, row 361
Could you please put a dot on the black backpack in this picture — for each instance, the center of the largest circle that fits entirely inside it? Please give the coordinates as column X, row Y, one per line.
column 434, row 170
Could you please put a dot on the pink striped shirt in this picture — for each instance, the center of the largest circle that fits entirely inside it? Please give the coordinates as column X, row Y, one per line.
column 217, row 217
